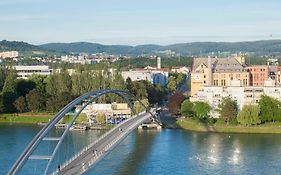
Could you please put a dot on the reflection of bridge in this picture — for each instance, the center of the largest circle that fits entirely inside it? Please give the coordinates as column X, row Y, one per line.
column 94, row 152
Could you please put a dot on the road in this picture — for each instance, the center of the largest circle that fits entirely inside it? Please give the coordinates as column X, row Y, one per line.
column 97, row 151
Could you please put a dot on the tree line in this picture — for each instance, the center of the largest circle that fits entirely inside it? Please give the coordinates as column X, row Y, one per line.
column 268, row 109
column 53, row 92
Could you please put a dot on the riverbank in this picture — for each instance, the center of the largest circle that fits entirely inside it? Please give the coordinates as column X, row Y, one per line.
column 35, row 118
column 26, row 118
column 193, row 125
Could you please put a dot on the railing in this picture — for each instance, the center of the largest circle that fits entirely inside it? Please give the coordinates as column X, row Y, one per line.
column 107, row 147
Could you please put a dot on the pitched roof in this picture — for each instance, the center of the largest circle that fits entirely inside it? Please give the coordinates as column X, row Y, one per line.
column 220, row 64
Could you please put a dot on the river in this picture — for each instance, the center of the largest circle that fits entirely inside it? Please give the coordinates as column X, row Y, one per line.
column 152, row 152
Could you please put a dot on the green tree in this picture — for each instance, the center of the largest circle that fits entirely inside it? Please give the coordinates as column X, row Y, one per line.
column 180, row 78
column 101, row 118
column 40, row 83
column 186, row 108
column 201, row 110
column 10, row 83
column 9, row 92
column 20, row 104
column 228, row 109
column 249, row 115
column 172, row 84
column 139, row 107
column 270, row 109
column 35, row 101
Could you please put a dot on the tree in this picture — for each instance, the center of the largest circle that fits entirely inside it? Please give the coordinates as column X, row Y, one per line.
column 174, row 102
column 35, row 101
column 9, row 92
column 172, row 84
column 20, row 104
column 228, row 109
column 201, row 109
column 249, row 115
column 63, row 99
column 180, row 78
column 139, row 107
column 270, row 109
column 186, row 108
column 10, row 83
column 100, row 118
column 24, row 86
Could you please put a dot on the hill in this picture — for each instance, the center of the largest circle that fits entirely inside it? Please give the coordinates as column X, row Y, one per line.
column 17, row 45
column 195, row 48
column 25, row 49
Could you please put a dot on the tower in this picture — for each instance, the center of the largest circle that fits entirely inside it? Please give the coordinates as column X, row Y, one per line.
column 158, row 62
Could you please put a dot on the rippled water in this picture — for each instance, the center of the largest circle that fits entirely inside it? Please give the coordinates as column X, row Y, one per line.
column 163, row 152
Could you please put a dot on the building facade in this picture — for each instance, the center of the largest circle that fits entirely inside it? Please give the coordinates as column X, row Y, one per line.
column 155, row 76
column 9, row 54
column 258, row 74
column 25, row 71
column 218, row 72
column 243, row 95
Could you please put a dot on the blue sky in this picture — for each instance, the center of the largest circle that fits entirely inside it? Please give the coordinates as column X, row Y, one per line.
column 139, row 21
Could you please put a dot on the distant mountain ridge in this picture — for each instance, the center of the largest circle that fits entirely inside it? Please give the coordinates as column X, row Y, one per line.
column 194, row 48
column 17, row 46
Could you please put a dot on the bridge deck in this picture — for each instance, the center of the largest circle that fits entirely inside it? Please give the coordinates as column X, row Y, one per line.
column 91, row 155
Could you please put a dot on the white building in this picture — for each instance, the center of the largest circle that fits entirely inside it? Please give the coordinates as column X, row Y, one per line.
column 113, row 110
column 26, row 71
column 155, row 76
column 243, row 95
column 180, row 69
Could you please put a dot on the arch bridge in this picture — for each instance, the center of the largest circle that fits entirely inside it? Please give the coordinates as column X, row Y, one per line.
column 91, row 154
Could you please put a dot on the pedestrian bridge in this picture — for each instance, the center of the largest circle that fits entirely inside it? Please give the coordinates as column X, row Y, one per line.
column 91, row 154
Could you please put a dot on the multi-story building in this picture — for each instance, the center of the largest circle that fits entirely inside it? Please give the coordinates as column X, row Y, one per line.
column 155, row 76
column 243, row 95
column 111, row 111
column 258, row 74
column 218, row 72
column 25, row 71
column 9, row 54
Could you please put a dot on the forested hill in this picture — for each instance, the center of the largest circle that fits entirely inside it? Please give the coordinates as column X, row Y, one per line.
column 26, row 49
column 17, row 46
column 195, row 48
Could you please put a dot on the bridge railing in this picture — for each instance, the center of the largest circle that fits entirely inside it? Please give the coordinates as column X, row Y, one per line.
column 100, row 138
column 113, row 142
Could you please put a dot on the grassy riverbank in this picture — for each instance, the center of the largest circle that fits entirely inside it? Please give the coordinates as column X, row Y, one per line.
column 34, row 118
column 193, row 125
column 30, row 118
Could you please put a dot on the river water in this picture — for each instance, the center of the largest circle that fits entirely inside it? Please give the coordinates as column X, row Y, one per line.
column 151, row 152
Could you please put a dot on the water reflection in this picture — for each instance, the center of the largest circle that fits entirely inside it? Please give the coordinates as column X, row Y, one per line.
column 165, row 152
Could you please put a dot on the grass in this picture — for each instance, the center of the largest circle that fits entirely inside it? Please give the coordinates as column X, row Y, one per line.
column 193, row 125
column 82, row 118
column 30, row 118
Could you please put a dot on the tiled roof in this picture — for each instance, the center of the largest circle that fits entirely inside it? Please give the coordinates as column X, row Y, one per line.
column 220, row 64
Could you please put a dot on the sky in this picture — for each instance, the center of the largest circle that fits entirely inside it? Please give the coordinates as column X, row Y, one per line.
column 135, row 22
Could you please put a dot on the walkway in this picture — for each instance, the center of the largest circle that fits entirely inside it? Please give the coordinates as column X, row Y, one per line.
column 89, row 156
